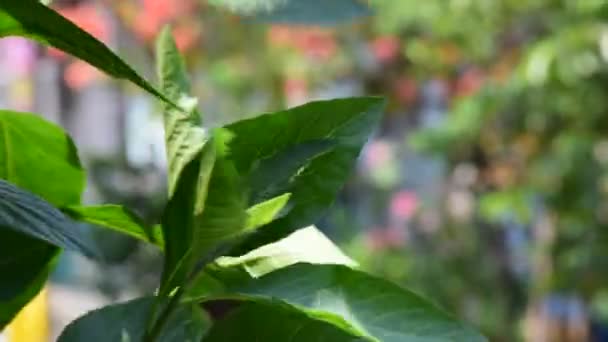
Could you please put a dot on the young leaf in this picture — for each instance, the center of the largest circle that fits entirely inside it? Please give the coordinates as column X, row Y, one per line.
column 117, row 218
column 309, row 12
column 29, row 214
column 127, row 322
column 183, row 136
column 206, row 201
column 259, row 322
column 39, row 156
column 307, row 245
column 344, row 123
column 355, row 302
column 31, row 19
column 265, row 212
column 19, row 252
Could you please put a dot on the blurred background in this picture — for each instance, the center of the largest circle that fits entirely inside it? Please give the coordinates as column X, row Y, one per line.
column 485, row 189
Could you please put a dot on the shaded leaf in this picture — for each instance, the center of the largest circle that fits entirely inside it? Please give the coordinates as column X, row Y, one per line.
column 117, row 218
column 354, row 301
column 266, row 323
column 31, row 19
column 127, row 322
column 273, row 175
column 19, row 252
column 344, row 123
column 29, row 214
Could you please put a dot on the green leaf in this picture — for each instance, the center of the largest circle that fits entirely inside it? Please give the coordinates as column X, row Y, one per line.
column 265, row 323
column 117, row 218
column 26, row 213
column 307, row 245
column 271, row 176
column 265, row 212
column 39, row 156
column 18, row 253
column 184, row 138
column 31, row 19
column 127, row 322
column 310, row 12
column 355, row 302
column 344, row 123
column 206, row 199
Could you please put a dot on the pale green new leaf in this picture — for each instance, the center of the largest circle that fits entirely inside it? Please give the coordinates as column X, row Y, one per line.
column 265, row 212
column 307, row 245
column 119, row 219
column 206, row 199
column 184, row 137
column 31, row 19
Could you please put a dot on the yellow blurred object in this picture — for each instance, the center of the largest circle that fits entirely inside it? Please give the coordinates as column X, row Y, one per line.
column 31, row 324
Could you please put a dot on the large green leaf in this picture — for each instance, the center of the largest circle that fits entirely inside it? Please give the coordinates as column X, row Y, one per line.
column 127, row 321
column 26, row 213
column 309, row 12
column 354, row 301
column 31, row 19
column 343, row 126
column 39, row 156
column 18, row 253
column 266, row 323
column 117, row 218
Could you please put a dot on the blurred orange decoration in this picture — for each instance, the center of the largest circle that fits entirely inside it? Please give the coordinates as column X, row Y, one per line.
column 383, row 238
column 469, row 82
column 405, row 90
column 146, row 17
column 315, row 43
column 386, row 48
column 154, row 14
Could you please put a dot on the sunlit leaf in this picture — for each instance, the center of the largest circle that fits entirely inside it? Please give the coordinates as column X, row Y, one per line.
column 117, row 218
column 356, row 302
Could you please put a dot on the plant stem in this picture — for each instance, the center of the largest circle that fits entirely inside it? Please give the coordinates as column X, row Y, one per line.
column 164, row 317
